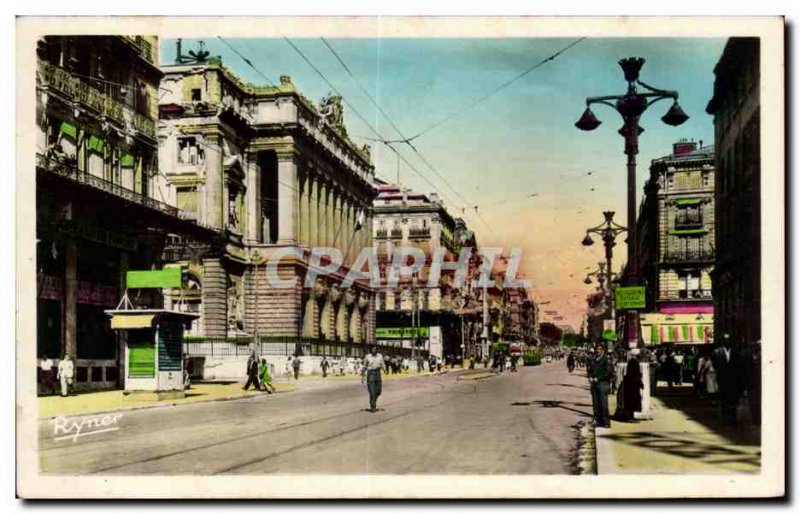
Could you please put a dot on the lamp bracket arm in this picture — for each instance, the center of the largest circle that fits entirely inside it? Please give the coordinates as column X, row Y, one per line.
column 664, row 92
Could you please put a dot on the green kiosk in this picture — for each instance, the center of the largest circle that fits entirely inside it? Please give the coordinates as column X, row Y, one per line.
column 153, row 338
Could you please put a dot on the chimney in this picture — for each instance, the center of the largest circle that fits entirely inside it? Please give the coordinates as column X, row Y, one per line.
column 683, row 147
column 178, row 55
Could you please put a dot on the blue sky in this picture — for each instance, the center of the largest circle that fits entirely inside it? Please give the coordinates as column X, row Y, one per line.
column 518, row 142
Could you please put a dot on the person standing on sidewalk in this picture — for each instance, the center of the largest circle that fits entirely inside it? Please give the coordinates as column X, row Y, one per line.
column 727, row 364
column 46, row 379
column 373, row 364
column 324, row 365
column 296, row 367
column 66, row 373
column 600, row 384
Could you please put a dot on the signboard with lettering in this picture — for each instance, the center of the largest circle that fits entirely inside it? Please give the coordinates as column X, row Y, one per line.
column 627, row 298
column 400, row 332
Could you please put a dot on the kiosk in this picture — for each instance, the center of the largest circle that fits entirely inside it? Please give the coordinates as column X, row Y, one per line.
column 153, row 340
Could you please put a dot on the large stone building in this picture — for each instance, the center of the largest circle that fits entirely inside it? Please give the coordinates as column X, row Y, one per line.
column 676, row 231
column 404, row 218
column 98, row 213
column 736, row 110
column 273, row 172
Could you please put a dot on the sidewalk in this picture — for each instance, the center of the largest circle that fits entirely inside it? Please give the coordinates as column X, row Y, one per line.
column 105, row 401
column 685, row 436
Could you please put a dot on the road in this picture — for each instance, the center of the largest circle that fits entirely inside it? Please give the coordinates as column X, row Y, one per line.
column 513, row 423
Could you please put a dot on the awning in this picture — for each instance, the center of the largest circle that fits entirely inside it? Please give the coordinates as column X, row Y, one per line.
column 658, row 328
column 121, row 321
column 96, row 144
column 687, row 231
column 688, row 201
column 69, row 129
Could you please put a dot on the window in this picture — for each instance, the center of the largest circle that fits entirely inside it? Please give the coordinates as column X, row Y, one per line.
column 196, row 95
column 688, row 284
column 186, row 199
column 189, row 151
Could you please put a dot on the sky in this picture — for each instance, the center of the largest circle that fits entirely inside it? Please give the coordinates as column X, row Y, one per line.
column 519, row 142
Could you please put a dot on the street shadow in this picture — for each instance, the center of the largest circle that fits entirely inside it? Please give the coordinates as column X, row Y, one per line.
column 670, row 443
column 702, row 411
column 557, row 404
column 585, row 388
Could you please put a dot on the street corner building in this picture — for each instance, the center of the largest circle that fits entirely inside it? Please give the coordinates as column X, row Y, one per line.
column 676, row 246
column 98, row 210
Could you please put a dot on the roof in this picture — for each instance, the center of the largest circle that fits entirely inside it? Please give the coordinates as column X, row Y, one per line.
column 706, row 152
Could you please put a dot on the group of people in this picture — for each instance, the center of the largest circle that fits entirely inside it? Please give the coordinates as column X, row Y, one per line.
column 576, row 358
column 61, row 374
column 502, row 361
column 259, row 374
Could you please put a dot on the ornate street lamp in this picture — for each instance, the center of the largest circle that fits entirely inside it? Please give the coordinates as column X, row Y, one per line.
column 631, row 106
column 608, row 231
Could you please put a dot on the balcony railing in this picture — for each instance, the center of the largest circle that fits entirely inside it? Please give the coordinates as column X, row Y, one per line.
column 419, row 233
column 102, row 104
column 688, row 256
column 689, row 221
column 396, row 234
column 381, row 234
column 66, row 167
column 142, row 46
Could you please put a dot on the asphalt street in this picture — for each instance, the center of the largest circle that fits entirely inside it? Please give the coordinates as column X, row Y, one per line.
column 513, row 423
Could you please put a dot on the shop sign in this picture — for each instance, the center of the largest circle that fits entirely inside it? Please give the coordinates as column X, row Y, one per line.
column 400, row 332
column 97, row 294
column 627, row 298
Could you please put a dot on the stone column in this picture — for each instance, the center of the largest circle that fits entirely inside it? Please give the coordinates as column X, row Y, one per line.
column 71, row 300
column 287, row 197
column 304, row 182
column 313, row 211
column 214, row 200
column 322, row 215
column 332, row 221
column 214, row 309
column 252, row 180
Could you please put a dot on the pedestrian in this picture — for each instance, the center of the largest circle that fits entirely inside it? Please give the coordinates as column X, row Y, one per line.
column 324, row 365
column 288, row 369
column 296, row 367
column 632, row 385
column 728, row 365
column 264, row 377
column 754, row 384
column 46, row 378
column 514, row 360
column 600, row 385
column 373, row 364
column 679, row 368
column 571, row 362
column 187, row 377
column 252, row 372
column 66, row 373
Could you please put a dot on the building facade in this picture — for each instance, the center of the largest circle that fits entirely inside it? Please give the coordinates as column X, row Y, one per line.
column 98, row 213
column 736, row 110
column 404, row 218
column 677, row 243
column 278, row 176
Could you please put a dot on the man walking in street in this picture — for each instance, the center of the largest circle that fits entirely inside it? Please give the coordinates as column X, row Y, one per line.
column 373, row 364
column 252, row 372
column 600, row 382
column 66, row 372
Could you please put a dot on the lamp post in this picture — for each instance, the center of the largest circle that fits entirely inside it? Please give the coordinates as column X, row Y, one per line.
column 631, row 106
column 608, row 231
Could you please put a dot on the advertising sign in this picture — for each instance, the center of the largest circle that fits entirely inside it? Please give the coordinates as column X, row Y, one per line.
column 627, row 298
column 400, row 332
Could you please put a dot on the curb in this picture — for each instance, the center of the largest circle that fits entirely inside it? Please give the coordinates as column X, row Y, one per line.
column 477, row 376
column 604, row 452
column 159, row 405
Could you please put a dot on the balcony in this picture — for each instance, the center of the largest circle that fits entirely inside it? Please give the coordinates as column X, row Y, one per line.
column 67, row 168
column 688, row 256
column 381, row 234
column 419, row 233
column 396, row 233
column 72, row 88
column 142, row 47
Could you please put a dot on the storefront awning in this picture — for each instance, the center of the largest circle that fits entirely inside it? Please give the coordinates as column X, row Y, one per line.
column 121, row 321
column 677, row 329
